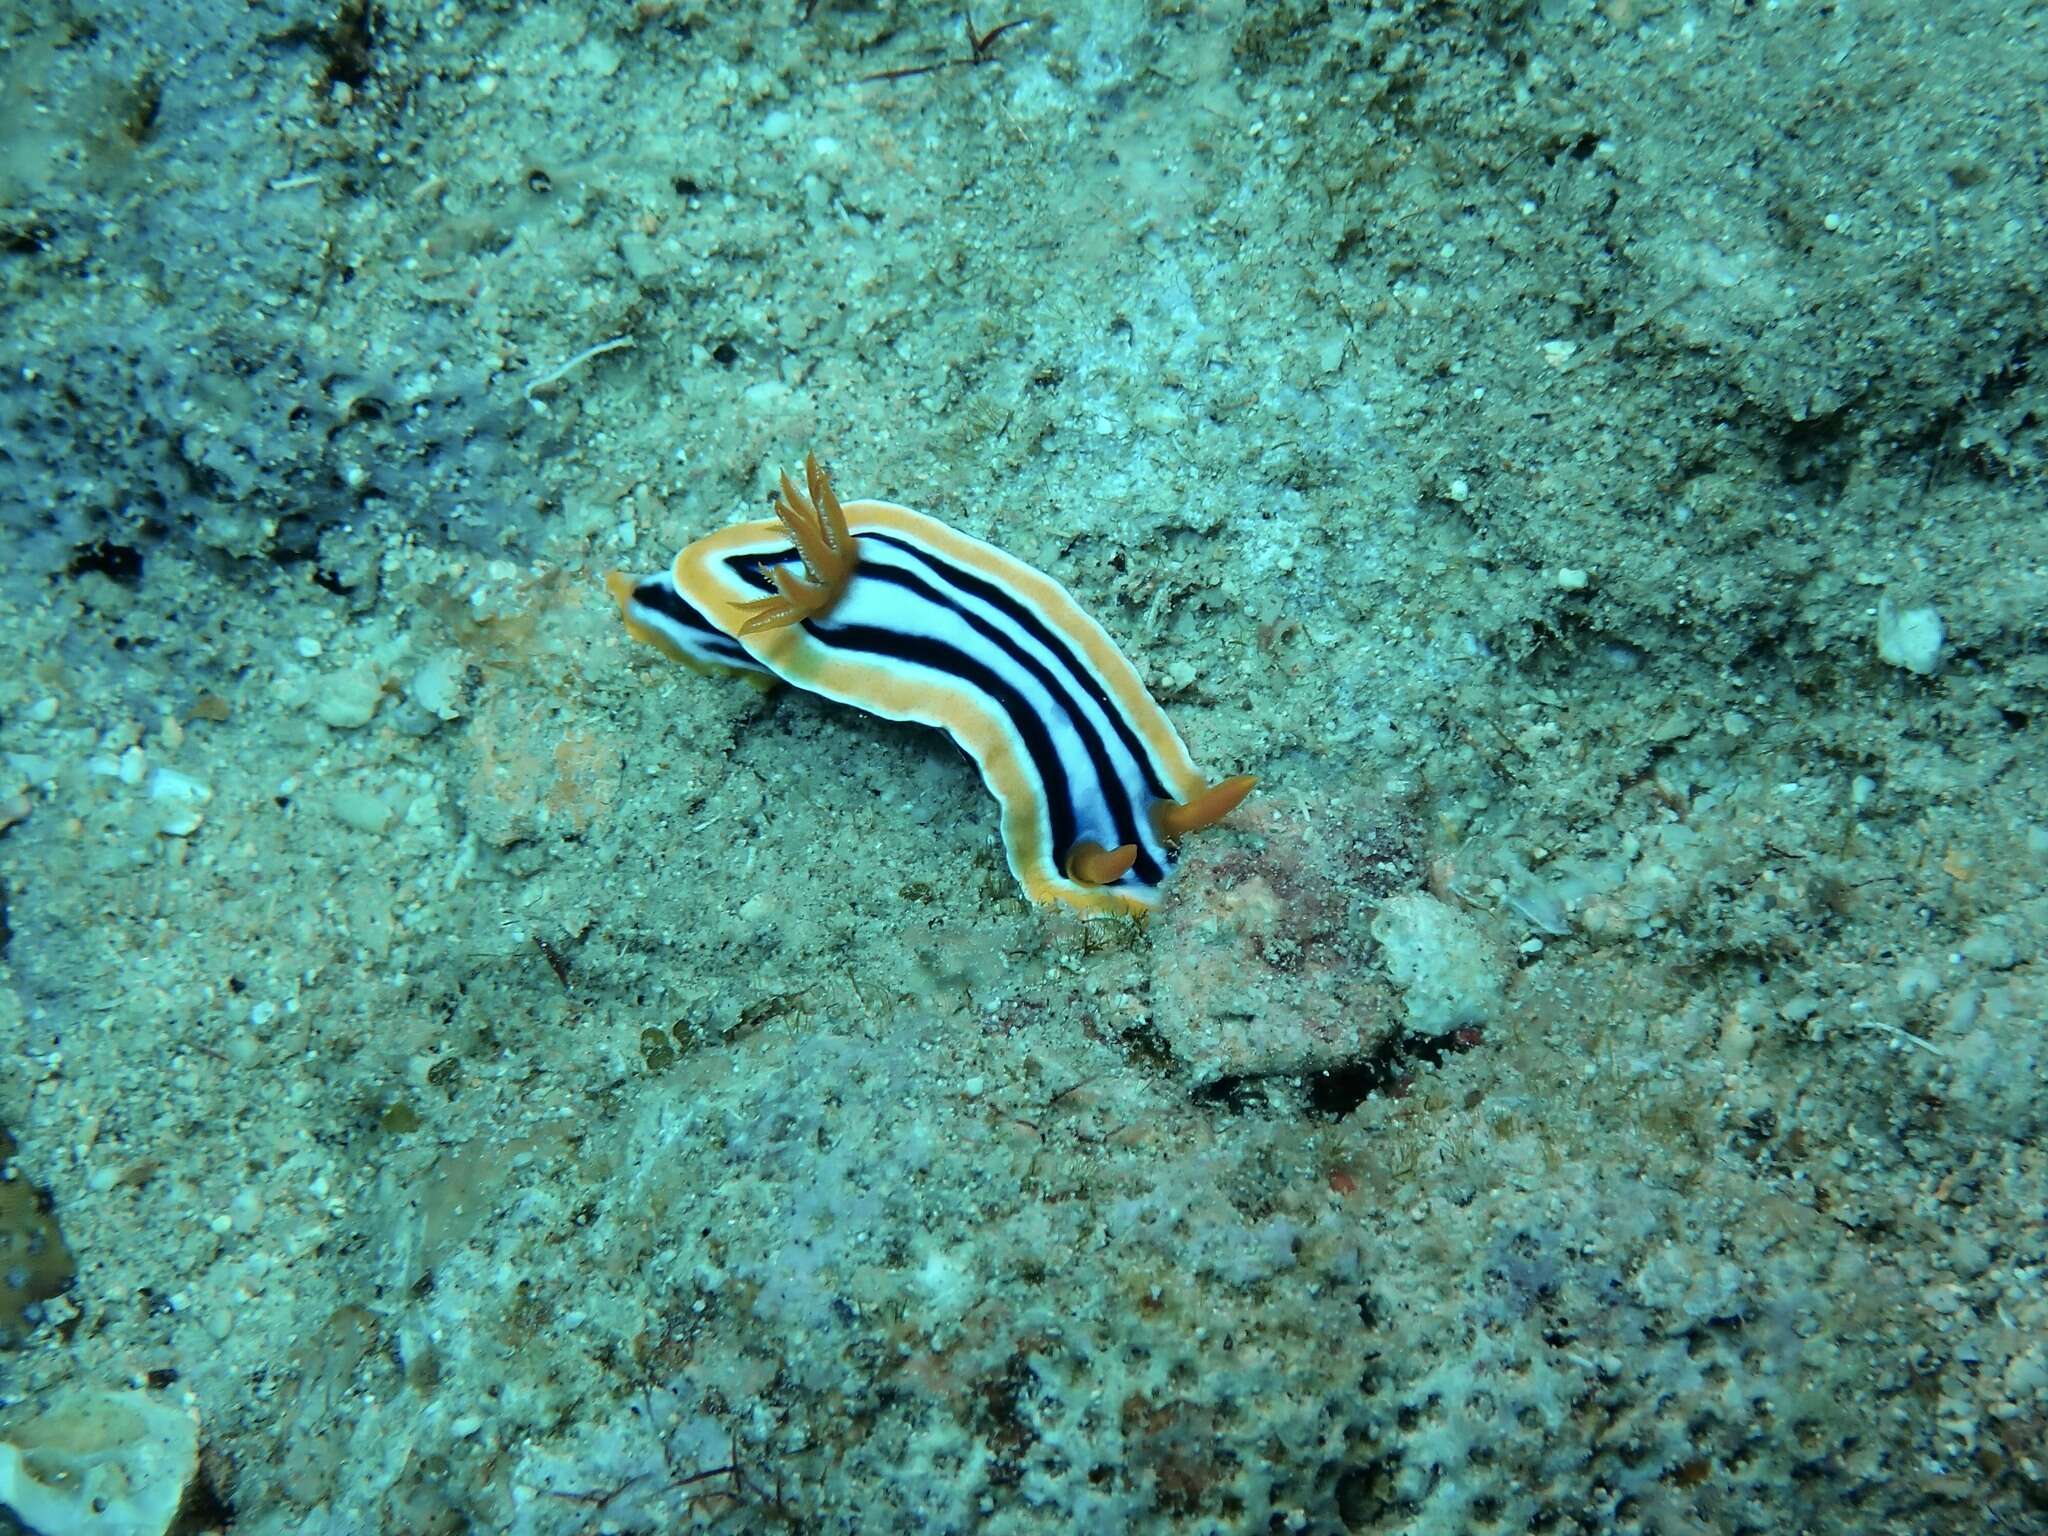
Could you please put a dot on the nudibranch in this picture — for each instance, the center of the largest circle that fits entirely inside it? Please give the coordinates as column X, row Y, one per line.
column 888, row 610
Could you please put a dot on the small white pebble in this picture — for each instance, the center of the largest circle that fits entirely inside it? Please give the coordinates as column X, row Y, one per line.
column 347, row 700
column 246, row 1210
column 1910, row 638
column 1992, row 947
column 2027, row 1375
column 437, row 686
column 181, row 822
column 44, row 710
column 1943, row 1297
column 306, row 646
column 167, row 784
column 360, row 810
column 1917, row 983
column 1571, row 579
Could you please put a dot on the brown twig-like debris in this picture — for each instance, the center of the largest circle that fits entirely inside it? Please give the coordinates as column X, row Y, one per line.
column 979, row 46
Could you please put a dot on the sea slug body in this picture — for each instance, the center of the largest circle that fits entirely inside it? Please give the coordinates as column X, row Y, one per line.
column 888, row 610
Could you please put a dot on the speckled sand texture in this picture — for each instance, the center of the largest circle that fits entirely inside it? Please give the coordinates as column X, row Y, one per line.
column 1586, row 458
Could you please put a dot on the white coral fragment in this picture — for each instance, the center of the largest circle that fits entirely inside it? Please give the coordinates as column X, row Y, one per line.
column 104, row 1463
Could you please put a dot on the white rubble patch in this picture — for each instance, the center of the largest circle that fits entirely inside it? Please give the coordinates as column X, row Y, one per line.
column 99, row 1464
column 1441, row 961
column 1909, row 637
column 348, row 701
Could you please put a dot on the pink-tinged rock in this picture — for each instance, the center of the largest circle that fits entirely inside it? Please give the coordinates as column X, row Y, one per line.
column 1262, row 950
